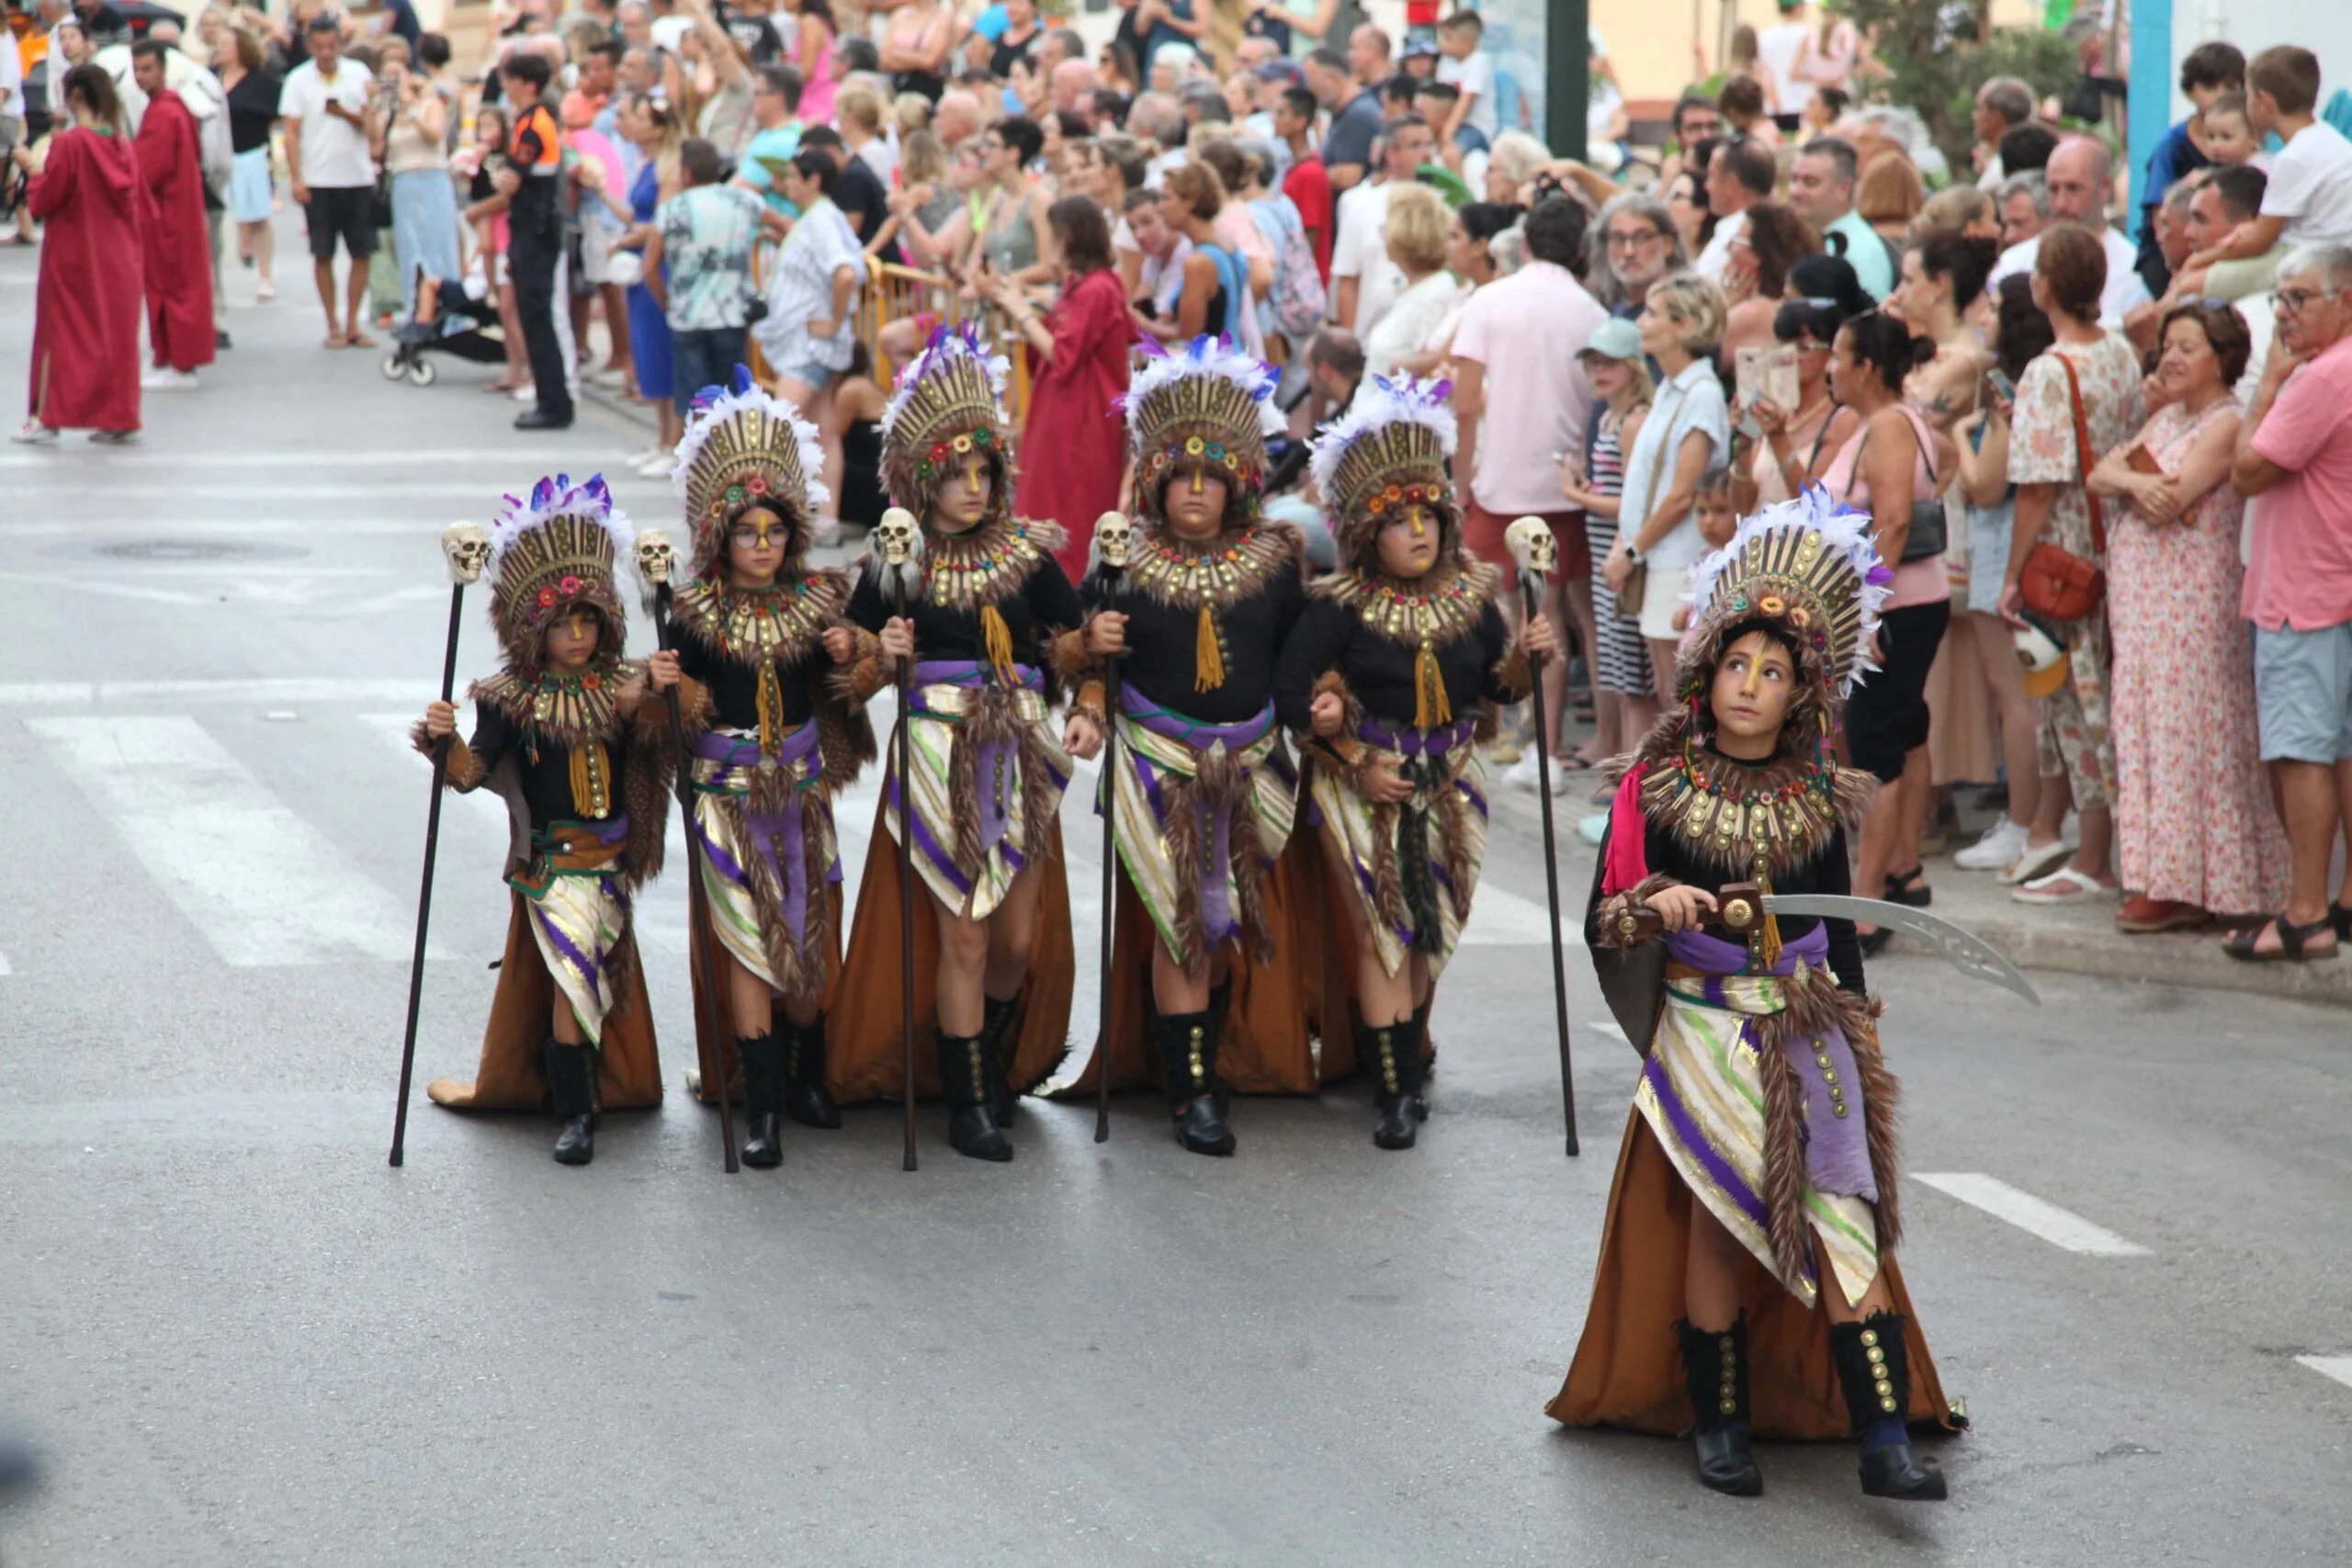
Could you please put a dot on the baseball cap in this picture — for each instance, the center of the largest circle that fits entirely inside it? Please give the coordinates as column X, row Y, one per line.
column 1615, row 338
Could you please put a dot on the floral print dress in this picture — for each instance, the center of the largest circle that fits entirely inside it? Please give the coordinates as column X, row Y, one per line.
column 2192, row 810
column 2076, row 742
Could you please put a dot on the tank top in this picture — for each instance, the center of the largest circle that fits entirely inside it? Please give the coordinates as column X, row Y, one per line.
column 1921, row 582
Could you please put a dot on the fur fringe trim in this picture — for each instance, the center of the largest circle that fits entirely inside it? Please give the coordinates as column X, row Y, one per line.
column 1815, row 1005
column 991, row 719
column 1784, row 1166
column 1343, row 753
column 1192, row 806
column 1066, row 652
column 464, row 772
column 1617, row 906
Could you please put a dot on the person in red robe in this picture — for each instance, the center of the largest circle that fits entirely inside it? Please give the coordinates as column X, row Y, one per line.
column 1078, row 356
column 85, row 316
column 178, row 255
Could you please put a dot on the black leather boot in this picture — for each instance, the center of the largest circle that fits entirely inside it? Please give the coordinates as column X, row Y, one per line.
column 571, row 1084
column 994, row 1016
column 805, row 1098
column 762, row 1058
column 1187, row 1044
column 1423, row 1059
column 1220, row 1009
column 1715, row 1365
column 1874, row 1369
column 966, row 1078
column 1393, row 1055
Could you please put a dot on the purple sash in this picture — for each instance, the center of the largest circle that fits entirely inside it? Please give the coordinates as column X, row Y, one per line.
column 996, row 759
column 1429, row 743
column 1217, row 918
column 777, row 837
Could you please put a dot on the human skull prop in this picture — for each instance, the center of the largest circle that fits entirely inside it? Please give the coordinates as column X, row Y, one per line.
column 654, row 556
column 1115, row 538
column 896, row 539
column 1533, row 545
column 466, row 548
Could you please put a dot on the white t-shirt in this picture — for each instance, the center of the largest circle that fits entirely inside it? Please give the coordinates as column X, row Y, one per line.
column 1361, row 253
column 2123, row 289
column 1475, row 73
column 335, row 151
column 1777, row 49
column 2310, row 187
column 1710, row 263
column 12, row 85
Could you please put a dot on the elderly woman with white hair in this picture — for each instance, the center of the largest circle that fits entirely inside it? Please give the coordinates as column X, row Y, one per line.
column 1686, row 433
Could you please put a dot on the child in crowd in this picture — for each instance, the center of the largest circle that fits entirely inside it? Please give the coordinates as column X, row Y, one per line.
column 2309, row 199
column 1718, row 519
column 2223, row 132
column 1466, row 66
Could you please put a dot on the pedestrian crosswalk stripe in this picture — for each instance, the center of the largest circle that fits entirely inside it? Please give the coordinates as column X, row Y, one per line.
column 392, row 455
column 2058, row 1227
column 2337, row 1367
column 261, row 883
column 4, row 965
column 290, row 692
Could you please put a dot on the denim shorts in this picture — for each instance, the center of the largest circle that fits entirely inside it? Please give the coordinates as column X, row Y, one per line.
column 2302, row 693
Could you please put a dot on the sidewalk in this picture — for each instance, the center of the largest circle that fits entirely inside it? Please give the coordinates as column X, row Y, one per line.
column 2075, row 939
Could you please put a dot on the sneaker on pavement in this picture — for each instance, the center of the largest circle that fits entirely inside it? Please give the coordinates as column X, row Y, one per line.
column 661, row 466
column 2001, row 844
column 33, row 432
column 526, row 393
column 163, row 378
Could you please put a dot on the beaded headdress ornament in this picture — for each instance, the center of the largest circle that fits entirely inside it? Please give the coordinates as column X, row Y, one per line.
column 557, row 547
column 744, row 449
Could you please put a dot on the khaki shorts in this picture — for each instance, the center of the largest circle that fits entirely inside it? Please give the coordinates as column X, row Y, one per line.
column 1661, row 600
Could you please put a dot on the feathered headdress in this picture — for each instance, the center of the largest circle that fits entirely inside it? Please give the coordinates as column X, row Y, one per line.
column 946, row 402
column 1390, row 449
column 744, row 449
column 554, row 549
column 1208, row 407
column 1808, row 565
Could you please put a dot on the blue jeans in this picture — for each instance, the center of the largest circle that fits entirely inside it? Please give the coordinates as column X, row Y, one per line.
column 702, row 358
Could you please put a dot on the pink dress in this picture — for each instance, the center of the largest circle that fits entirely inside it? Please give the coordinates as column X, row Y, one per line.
column 817, row 86
column 2192, row 812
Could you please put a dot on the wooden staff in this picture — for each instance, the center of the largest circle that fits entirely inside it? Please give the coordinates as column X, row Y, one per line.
column 1537, row 551
column 465, row 547
column 1113, row 535
column 899, row 552
column 653, row 562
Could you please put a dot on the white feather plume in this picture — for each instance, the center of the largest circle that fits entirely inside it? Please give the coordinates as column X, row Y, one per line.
column 1380, row 401
column 704, row 420
column 1204, row 356
column 946, row 344
column 1843, row 531
column 558, row 497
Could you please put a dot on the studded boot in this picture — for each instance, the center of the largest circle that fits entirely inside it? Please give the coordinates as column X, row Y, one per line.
column 966, row 1078
column 763, row 1059
column 1188, row 1054
column 1874, row 1369
column 805, row 1098
column 572, row 1085
column 994, row 1017
column 1393, row 1053
column 1715, row 1366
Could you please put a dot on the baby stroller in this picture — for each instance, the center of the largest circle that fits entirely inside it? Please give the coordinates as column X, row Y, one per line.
column 454, row 315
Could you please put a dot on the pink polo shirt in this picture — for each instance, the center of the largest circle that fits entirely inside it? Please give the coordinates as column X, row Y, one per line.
column 2299, row 566
column 1526, row 330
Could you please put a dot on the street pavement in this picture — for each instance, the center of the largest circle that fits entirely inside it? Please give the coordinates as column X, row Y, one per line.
column 237, row 1338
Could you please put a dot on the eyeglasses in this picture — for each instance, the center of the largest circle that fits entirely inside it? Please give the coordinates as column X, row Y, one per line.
column 1623, row 242
column 2290, row 301
column 753, row 536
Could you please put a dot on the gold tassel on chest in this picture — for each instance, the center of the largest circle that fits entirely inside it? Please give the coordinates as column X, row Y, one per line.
column 591, row 781
column 771, row 705
column 1768, row 937
column 1208, row 654
column 1431, row 708
column 997, row 638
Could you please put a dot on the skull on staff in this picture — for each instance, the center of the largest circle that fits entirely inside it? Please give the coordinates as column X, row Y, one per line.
column 655, row 558
column 1114, row 537
column 1533, row 545
column 467, row 548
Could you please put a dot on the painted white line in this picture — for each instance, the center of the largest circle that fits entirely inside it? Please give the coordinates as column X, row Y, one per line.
column 2058, row 1227
column 80, row 492
column 4, row 965
column 406, row 459
column 262, row 886
column 2337, row 1367
column 295, row 692
column 1603, row 1026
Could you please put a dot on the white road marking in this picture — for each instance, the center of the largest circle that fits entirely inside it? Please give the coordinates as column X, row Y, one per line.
column 4, row 965
column 262, row 886
column 105, row 587
column 580, row 460
column 316, row 692
column 77, row 493
column 1603, row 1026
column 2058, row 1227
column 2337, row 1367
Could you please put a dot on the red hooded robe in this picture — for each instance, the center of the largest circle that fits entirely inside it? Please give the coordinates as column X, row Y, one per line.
column 85, row 317
column 178, row 255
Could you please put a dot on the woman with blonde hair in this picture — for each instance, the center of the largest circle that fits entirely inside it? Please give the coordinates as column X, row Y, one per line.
column 1415, row 234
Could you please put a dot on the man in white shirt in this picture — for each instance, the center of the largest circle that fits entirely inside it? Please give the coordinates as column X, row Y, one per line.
column 325, row 103
column 1364, row 281
column 2079, row 179
column 1778, row 49
column 1740, row 175
column 2002, row 105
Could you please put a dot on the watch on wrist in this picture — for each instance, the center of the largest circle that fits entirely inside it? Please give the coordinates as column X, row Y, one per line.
column 1634, row 554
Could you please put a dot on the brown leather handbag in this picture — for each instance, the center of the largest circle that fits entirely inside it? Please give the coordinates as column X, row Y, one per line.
column 2058, row 584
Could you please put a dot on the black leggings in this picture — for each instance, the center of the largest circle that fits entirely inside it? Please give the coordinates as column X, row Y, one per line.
column 532, row 250
column 1887, row 718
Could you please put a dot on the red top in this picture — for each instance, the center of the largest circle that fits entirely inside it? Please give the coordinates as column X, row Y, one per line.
column 177, row 256
column 1310, row 189
column 85, row 315
column 1074, row 447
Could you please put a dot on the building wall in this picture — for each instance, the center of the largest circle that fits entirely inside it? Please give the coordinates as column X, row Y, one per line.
column 2254, row 26
column 1649, row 41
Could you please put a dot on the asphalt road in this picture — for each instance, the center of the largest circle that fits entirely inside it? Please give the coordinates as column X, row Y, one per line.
column 240, row 1339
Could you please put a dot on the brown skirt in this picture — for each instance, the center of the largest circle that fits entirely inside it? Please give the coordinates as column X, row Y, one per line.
column 715, row 1022
column 1628, row 1368
column 512, row 1076
column 863, row 1030
column 1319, row 930
column 1267, row 1047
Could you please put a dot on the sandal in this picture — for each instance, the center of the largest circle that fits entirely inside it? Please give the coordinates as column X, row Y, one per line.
column 2065, row 885
column 2291, row 938
column 1910, row 888
column 1873, row 941
column 2341, row 917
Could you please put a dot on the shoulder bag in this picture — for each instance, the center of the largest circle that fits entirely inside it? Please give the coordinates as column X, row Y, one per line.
column 2058, row 584
column 1637, row 582
column 1927, row 535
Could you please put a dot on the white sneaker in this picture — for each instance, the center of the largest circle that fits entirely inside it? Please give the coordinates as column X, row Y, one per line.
column 264, row 292
column 1523, row 774
column 610, row 380
column 661, row 466
column 163, row 378
column 527, row 394
column 829, row 531
column 1999, row 846
column 33, row 432
column 634, row 458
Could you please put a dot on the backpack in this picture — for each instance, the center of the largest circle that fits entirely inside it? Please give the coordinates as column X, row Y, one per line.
column 1296, row 299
